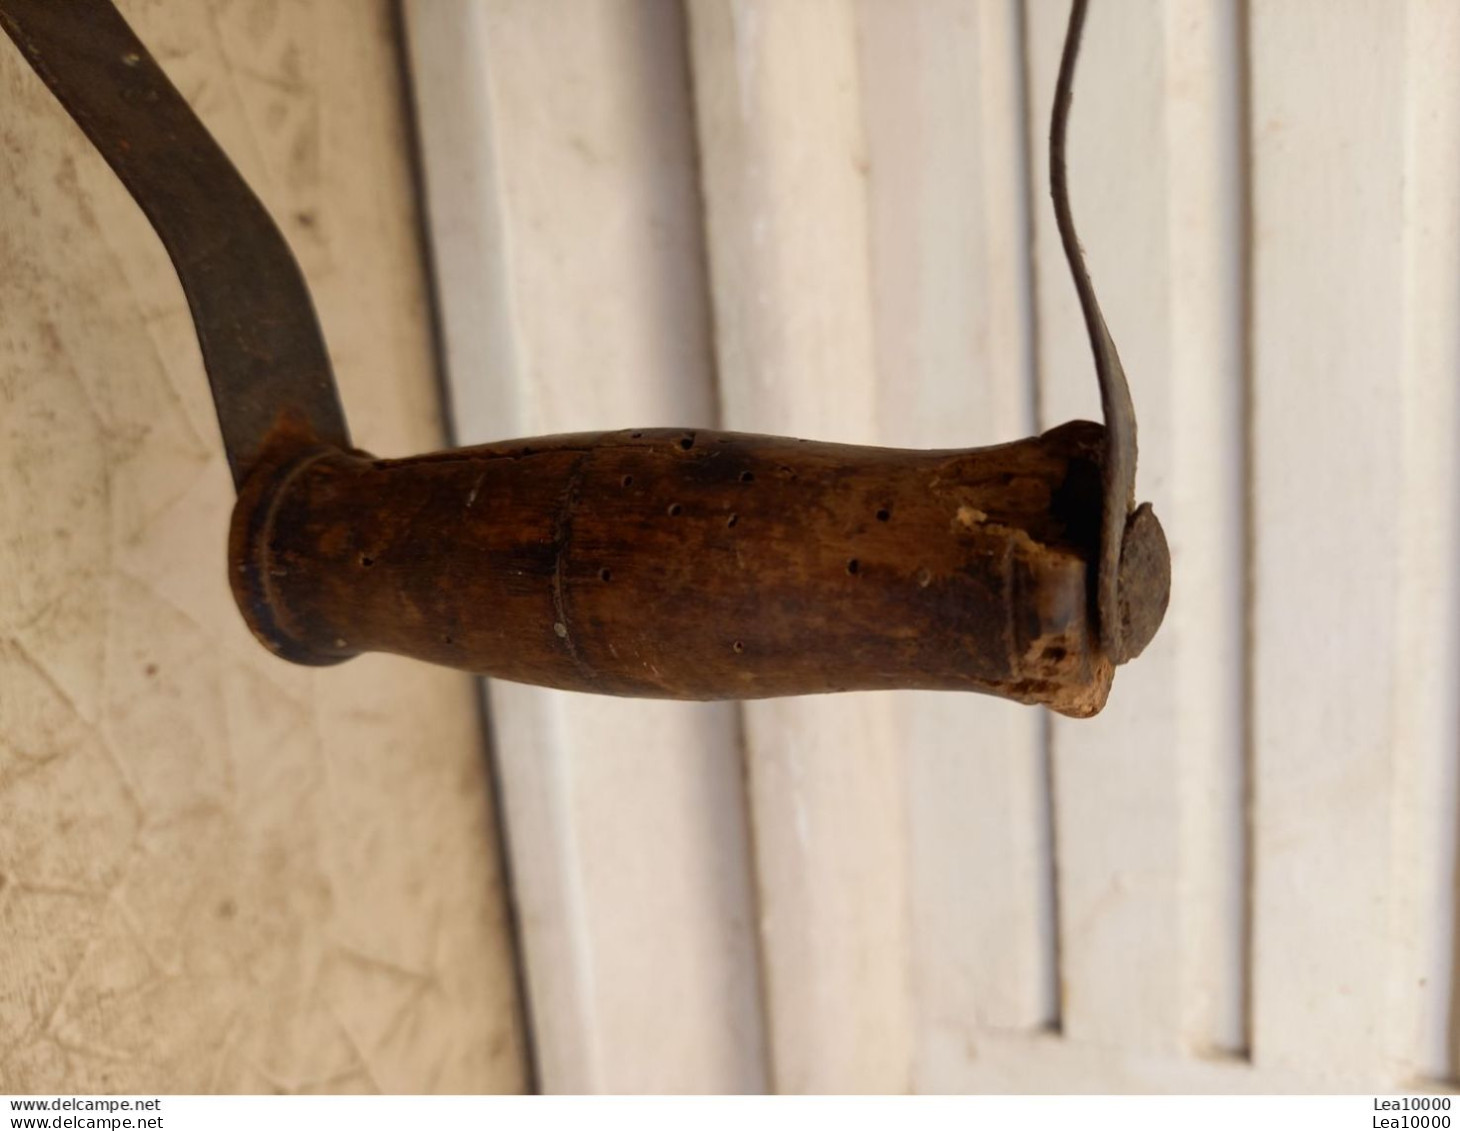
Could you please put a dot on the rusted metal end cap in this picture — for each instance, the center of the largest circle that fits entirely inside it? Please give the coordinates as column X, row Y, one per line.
column 1144, row 582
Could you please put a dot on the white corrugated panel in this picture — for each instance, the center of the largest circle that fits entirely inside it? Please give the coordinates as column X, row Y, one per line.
column 830, row 219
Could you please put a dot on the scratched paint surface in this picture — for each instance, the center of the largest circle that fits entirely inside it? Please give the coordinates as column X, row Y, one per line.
column 218, row 872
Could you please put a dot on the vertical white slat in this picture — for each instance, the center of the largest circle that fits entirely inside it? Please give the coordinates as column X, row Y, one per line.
column 1328, row 103
column 785, row 184
column 1148, row 796
column 1427, row 671
column 1206, row 516
column 561, row 178
column 942, row 90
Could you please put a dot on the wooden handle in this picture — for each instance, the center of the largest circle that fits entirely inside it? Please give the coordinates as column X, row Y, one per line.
column 691, row 565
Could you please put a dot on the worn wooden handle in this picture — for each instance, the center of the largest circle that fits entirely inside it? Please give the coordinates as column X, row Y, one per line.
column 691, row 565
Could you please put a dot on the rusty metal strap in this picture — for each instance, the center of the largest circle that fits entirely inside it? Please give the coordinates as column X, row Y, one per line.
column 260, row 339
column 1115, row 399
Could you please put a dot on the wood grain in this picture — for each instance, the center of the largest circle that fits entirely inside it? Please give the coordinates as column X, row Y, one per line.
column 677, row 564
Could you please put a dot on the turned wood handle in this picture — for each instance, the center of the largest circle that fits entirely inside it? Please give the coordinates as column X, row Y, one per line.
column 691, row 564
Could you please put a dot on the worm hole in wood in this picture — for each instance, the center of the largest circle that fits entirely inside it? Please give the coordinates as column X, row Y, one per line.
column 747, row 477
column 853, row 566
column 366, row 560
column 627, row 481
column 883, row 514
column 675, row 510
column 732, row 520
column 605, row 574
column 687, row 442
column 737, row 647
